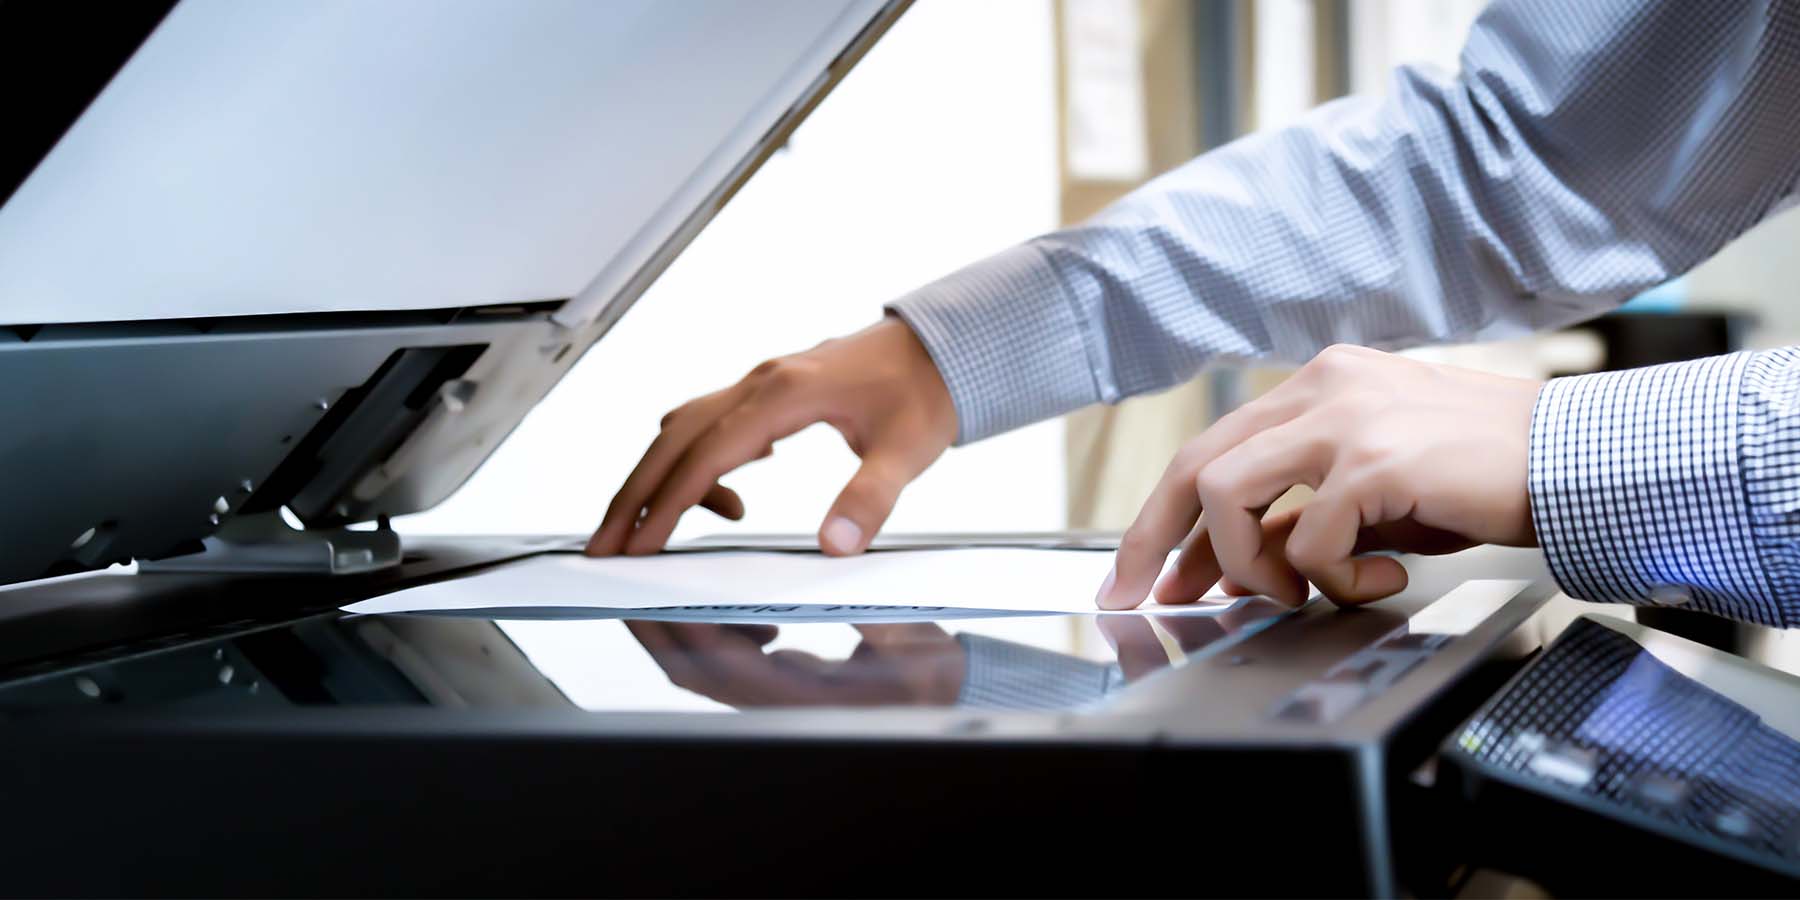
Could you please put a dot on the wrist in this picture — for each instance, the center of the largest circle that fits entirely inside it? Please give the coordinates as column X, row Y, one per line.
column 918, row 374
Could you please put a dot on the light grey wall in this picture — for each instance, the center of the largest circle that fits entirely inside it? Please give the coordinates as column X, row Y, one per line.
column 1760, row 272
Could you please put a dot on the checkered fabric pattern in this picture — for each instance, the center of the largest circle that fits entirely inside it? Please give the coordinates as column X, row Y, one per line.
column 1679, row 481
column 1583, row 152
column 1003, row 675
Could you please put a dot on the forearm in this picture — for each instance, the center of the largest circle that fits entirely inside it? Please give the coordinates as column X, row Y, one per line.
column 1675, row 484
column 1505, row 199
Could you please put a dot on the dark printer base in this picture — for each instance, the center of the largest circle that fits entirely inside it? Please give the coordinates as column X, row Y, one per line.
column 374, row 801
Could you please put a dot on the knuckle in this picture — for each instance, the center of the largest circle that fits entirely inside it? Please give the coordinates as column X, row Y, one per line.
column 1313, row 443
column 1360, row 457
column 1213, row 484
column 1305, row 557
column 1383, row 490
column 1369, row 454
column 1331, row 357
column 787, row 373
column 1336, row 360
column 781, row 380
column 727, row 422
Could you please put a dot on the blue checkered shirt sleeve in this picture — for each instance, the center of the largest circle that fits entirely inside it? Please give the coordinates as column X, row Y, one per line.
column 1582, row 153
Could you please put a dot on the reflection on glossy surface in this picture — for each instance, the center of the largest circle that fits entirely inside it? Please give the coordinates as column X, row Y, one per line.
column 1599, row 714
column 923, row 664
column 901, row 663
column 1036, row 662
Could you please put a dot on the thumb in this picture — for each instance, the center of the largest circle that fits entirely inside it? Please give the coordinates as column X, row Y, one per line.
column 862, row 506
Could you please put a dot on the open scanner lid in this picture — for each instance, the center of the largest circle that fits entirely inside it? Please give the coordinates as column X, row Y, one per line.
column 325, row 256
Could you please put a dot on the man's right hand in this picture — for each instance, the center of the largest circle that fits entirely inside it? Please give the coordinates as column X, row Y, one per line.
column 878, row 388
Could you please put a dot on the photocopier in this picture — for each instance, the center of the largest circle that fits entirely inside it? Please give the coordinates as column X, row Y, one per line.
column 274, row 273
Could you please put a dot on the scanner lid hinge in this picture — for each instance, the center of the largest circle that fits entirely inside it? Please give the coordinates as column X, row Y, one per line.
column 264, row 544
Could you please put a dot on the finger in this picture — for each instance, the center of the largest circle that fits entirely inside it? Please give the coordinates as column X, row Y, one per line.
column 1243, row 481
column 742, row 674
column 738, row 437
column 724, row 501
column 668, row 654
column 655, row 636
column 900, row 634
column 1135, row 643
column 760, row 635
column 1197, row 570
column 680, row 428
column 865, row 502
column 622, row 513
column 1173, row 506
column 815, row 681
column 1323, row 544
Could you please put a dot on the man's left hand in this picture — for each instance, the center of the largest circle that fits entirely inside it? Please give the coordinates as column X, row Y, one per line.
column 1401, row 454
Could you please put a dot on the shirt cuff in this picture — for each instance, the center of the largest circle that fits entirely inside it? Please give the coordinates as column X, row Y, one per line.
column 1004, row 675
column 1007, row 339
column 1637, row 483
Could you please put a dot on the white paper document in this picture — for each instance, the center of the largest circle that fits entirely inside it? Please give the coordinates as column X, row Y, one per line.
column 786, row 586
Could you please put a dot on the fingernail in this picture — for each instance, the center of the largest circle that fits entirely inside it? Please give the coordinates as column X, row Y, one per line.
column 1106, row 587
column 841, row 535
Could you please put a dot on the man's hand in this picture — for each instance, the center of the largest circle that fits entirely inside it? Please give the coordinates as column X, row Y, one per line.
column 1402, row 455
column 878, row 388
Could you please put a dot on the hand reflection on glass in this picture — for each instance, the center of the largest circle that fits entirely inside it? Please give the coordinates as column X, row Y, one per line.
column 1141, row 651
column 896, row 664
column 921, row 664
